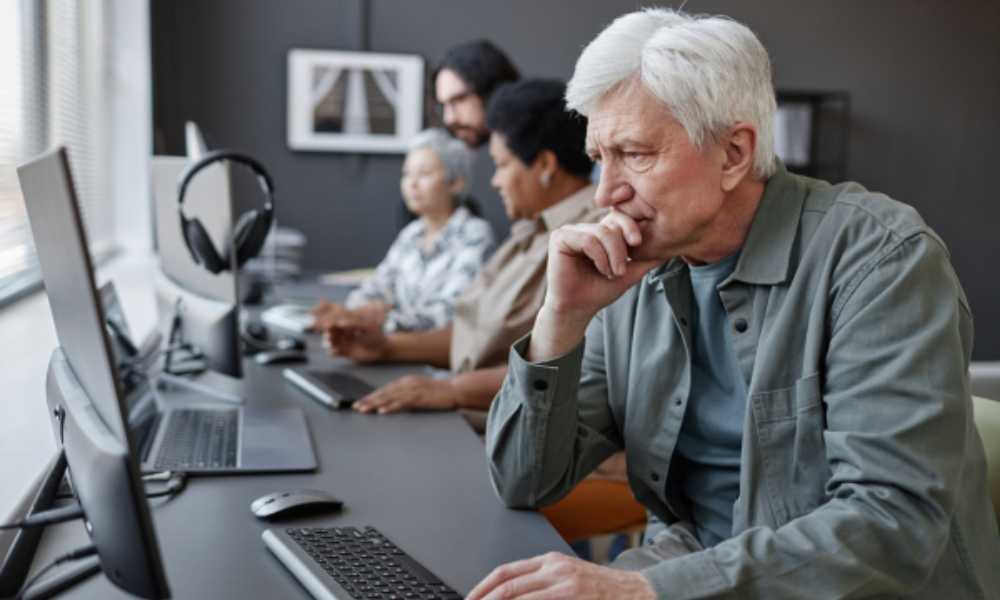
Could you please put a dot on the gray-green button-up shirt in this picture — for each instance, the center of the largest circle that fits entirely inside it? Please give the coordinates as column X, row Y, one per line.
column 861, row 470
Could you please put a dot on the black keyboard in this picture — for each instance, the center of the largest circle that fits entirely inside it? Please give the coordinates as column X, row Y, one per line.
column 348, row 562
column 199, row 439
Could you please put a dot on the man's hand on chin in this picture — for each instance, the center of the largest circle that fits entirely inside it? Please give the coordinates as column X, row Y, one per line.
column 588, row 268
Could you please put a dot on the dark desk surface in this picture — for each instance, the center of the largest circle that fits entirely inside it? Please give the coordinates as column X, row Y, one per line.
column 419, row 478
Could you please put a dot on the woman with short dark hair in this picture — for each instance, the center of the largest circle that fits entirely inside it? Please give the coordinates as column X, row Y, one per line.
column 542, row 175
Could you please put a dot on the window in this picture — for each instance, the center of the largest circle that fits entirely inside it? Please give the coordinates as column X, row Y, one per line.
column 54, row 53
column 72, row 72
column 16, row 252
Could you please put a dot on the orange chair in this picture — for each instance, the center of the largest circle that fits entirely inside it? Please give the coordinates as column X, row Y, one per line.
column 596, row 507
column 600, row 504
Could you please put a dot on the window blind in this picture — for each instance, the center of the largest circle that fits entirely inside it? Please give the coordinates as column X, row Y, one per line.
column 53, row 52
column 16, row 252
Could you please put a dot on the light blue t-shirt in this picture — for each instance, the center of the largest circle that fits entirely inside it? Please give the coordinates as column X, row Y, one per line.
column 708, row 448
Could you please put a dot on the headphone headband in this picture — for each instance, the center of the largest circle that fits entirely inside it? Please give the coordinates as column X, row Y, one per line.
column 263, row 177
column 249, row 231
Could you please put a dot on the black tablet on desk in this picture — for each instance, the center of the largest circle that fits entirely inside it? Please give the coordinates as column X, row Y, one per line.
column 334, row 389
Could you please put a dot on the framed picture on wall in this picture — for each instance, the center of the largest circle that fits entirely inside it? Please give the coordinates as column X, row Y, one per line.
column 353, row 101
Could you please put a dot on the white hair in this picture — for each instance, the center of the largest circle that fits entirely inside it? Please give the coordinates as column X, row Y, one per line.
column 453, row 153
column 710, row 72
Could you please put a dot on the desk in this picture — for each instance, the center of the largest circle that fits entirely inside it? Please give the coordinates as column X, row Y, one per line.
column 419, row 478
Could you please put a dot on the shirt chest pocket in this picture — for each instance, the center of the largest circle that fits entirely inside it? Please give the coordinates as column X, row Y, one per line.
column 789, row 424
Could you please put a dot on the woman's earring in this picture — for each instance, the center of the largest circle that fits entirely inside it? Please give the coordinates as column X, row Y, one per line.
column 545, row 179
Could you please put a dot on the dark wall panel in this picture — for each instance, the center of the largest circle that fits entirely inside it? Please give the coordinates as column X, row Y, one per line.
column 924, row 79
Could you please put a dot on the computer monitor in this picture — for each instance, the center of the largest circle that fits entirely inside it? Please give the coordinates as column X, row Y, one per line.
column 209, row 326
column 194, row 141
column 209, row 303
column 83, row 390
column 132, row 364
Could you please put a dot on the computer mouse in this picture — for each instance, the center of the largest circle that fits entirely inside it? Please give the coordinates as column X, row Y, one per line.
column 294, row 503
column 277, row 357
column 290, row 343
column 257, row 330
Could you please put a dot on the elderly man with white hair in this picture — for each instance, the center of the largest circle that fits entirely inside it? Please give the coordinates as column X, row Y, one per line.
column 782, row 360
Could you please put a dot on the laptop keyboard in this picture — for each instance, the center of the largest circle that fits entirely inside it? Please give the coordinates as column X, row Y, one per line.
column 367, row 565
column 199, row 439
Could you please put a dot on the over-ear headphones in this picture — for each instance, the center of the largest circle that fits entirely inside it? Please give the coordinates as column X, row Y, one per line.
column 251, row 229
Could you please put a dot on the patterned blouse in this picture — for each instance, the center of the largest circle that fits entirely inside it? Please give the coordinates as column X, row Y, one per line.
column 420, row 286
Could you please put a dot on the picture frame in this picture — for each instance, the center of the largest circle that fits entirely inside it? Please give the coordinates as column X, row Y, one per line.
column 353, row 101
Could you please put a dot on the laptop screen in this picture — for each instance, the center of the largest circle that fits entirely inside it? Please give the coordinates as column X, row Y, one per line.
column 132, row 369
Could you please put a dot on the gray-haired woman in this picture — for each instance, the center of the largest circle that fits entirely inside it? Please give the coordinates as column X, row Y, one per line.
column 433, row 258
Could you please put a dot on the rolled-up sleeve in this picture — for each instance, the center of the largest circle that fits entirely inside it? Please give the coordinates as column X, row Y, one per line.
column 896, row 400
column 546, row 431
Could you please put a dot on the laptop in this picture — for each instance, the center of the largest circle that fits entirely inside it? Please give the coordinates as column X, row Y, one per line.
column 176, row 430
column 173, row 428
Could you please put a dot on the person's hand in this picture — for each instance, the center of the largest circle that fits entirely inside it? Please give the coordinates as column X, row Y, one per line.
column 356, row 337
column 413, row 392
column 324, row 314
column 589, row 265
column 373, row 313
column 588, row 268
column 555, row 576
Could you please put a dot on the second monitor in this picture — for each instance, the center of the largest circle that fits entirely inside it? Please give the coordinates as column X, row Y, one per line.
column 208, row 304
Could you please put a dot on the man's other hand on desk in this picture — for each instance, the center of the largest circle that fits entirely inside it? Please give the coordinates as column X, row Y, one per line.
column 413, row 392
column 557, row 576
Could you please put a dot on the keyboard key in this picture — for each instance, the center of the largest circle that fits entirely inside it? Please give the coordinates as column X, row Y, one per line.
column 199, row 438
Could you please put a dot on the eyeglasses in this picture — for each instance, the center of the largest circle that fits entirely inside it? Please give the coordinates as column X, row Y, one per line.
column 454, row 101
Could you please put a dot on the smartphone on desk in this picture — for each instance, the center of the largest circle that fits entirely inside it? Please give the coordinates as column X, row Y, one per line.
column 331, row 388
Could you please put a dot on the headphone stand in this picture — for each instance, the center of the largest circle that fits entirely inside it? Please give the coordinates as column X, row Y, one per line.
column 206, row 383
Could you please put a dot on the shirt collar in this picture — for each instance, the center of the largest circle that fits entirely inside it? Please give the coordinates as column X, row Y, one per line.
column 767, row 250
column 521, row 233
column 419, row 227
column 457, row 218
column 569, row 209
column 455, row 222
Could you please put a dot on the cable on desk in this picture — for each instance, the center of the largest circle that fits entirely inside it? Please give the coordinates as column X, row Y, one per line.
column 174, row 482
column 77, row 554
column 141, row 366
column 48, row 517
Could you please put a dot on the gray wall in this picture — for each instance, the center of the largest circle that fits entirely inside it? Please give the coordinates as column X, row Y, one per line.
column 924, row 79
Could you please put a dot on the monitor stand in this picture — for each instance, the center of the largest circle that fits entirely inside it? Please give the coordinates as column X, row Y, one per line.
column 200, row 380
column 17, row 561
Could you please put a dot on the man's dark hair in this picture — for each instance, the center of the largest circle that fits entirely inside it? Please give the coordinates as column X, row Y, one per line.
column 481, row 65
column 531, row 115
